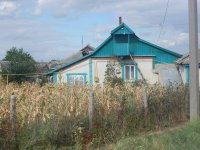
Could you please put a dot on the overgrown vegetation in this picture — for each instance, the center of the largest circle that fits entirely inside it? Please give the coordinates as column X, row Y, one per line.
column 56, row 116
column 113, row 72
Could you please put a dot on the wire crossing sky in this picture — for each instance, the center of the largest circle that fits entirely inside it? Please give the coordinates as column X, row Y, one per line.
column 163, row 22
column 50, row 29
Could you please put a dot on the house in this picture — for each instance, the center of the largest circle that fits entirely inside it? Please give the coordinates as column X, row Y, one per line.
column 183, row 64
column 53, row 64
column 138, row 59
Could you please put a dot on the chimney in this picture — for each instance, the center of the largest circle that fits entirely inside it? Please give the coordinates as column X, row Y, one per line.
column 120, row 20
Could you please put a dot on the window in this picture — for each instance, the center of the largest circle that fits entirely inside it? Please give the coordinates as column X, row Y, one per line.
column 76, row 79
column 129, row 72
column 121, row 38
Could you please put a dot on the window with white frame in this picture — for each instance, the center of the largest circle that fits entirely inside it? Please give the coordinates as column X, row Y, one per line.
column 129, row 72
column 76, row 79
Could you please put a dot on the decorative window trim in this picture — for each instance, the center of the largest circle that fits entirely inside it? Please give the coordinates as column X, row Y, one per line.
column 74, row 74
column 130, row 75
column 135, row 71
column 55, row 80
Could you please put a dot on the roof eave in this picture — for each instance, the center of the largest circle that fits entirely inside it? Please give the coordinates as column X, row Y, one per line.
column 163, row 49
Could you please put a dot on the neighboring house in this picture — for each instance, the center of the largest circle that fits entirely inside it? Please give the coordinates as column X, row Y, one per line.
column 183, row 64
column 122, row 43
column 53, row 64
column 41, row 69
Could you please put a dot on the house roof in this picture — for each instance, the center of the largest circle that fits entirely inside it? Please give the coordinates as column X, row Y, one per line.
column 53, row 64
column 68, row 64
column 88, row 47
column 163, row 49
column 121, row 29
column 72, row 57
column 185, row 59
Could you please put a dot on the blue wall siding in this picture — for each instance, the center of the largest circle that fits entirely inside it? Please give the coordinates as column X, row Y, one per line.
column 121, row 45
column 139, row 48
column 136, row 47
column 187, row 74
column 114, row 46
column 106, row 50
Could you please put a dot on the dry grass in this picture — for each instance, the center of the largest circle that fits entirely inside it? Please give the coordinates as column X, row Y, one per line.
column 61, row 111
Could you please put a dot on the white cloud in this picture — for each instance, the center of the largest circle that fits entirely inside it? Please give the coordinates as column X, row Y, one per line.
column 179, row 41
column 7, row 7
column 40, row 5
column 39, row 39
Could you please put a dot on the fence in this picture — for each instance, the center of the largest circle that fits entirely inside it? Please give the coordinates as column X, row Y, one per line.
column 67, row 115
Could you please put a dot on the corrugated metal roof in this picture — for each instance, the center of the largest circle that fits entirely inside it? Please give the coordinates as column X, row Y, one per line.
column 122, row 29
column 185, row 58
column 135, row 46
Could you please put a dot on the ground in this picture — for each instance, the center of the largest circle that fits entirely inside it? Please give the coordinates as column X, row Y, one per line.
column 179, row 138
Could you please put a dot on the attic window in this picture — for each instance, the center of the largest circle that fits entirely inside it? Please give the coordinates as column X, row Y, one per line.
column 121, row 38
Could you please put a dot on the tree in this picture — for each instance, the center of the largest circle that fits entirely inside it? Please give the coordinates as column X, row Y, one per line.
column 20, row 62
column 113, row 72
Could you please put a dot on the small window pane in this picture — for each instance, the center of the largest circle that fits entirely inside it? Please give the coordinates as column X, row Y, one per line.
column 81, row 80
column 76, row 79
column 127, row 72
column 71, row 80
column 132, row 72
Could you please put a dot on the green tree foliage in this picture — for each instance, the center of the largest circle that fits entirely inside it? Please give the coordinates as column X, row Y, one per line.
column 19, row 62
column 113, row 72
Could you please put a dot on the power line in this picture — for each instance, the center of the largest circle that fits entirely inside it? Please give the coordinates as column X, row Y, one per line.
column 22, row 74
column 162, row 24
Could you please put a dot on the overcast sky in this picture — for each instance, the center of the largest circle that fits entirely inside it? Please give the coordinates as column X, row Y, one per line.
column 53, row 29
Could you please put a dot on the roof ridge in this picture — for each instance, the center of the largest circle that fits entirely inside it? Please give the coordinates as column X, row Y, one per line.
column 120, row 26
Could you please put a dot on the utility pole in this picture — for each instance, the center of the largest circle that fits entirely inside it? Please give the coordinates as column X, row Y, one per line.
column 194, row 72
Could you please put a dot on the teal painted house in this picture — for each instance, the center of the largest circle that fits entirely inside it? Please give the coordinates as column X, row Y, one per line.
column 134, row 53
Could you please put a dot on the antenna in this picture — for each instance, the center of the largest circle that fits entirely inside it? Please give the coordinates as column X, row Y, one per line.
column 82, row 41
column 120, row 20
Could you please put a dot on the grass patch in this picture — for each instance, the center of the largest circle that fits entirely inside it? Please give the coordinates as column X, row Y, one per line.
column 187, row 138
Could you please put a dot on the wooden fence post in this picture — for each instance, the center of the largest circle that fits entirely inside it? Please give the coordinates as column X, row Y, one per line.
column 7, row 80
column 13, row 116
column 145, row 104
column 145, row 96
column 90, row 110
column 187, row 96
